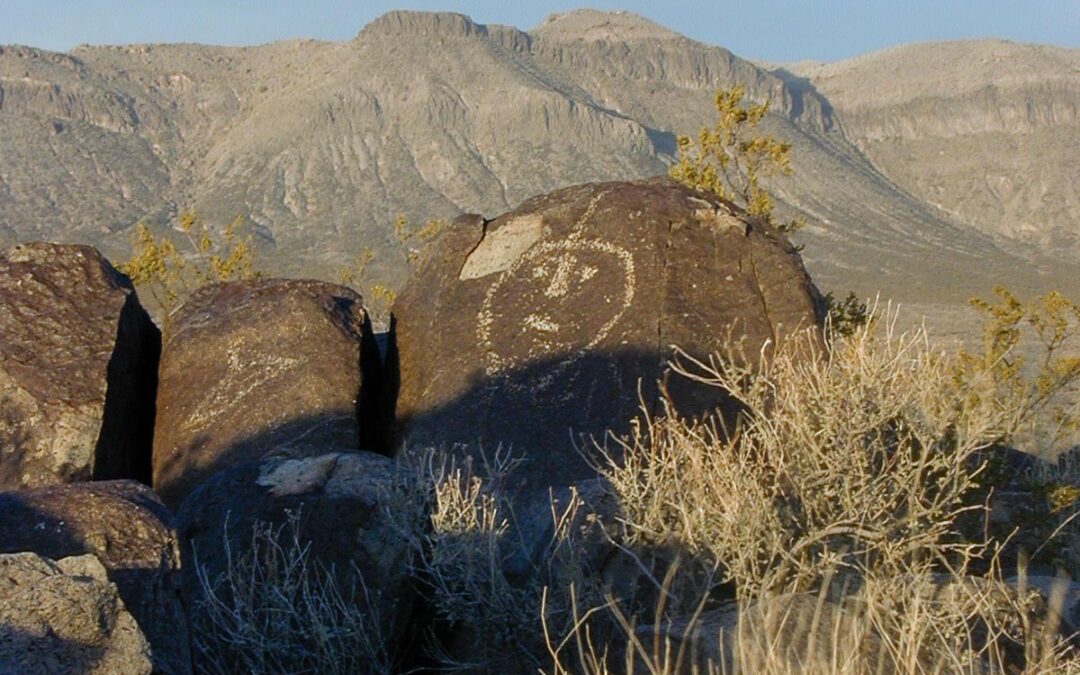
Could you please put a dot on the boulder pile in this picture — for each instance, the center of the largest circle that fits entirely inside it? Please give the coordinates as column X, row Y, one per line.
column 269, row 407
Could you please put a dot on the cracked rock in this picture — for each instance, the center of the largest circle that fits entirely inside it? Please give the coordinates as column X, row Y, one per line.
column 78, row 367
column 260, row 367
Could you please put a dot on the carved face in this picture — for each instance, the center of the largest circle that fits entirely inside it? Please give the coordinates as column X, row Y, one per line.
column 557, row 301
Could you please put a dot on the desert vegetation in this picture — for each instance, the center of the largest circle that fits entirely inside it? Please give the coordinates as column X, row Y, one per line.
column 839, row 523
column 730, row 158
column 168, row 273
column 378, row 297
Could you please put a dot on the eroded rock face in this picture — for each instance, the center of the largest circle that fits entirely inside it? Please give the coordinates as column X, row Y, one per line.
column 65, row 617
column 264, row 365
column 340, row 505
column 78, row 367
column 536, row 328
column 130, row 531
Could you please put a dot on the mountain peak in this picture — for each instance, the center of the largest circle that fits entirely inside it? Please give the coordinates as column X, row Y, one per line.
column 408, row 22
column 594, row 25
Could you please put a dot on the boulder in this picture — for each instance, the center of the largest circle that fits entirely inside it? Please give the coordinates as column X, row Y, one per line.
column 130, row 531
column 336, row 516
column 554, row 323
column 282, row 364
column 78, row 369
column 65, row 617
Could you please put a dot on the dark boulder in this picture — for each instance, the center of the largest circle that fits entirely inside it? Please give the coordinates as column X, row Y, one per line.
column 282, row 364
column 130, row 531
column 557, row 320
column 355, row 516
column 78, row 369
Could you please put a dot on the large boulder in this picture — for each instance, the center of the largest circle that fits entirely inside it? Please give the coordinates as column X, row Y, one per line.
column 268, row 364
column 78, row 369
column 65, row 617
column 130, row 531
column 347, row 524
column 555, row 321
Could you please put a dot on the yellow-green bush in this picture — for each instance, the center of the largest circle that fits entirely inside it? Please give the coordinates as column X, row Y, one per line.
column 169, row 274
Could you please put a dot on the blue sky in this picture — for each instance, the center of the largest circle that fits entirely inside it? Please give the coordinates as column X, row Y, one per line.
column 776, row 30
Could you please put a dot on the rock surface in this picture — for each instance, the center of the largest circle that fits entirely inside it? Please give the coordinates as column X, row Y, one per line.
column 340, row 505
column 130, row 531
column 536, row 328
column 263, row 365
column 65, row 617
column 78, row 367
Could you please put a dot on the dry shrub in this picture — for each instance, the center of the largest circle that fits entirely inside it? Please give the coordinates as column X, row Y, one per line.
column 276, row 609
column 170, row 274
column 854, row 457
column 845, row 477
column 492, row 618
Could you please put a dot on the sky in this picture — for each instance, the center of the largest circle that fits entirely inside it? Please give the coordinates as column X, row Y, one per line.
column 770, row 30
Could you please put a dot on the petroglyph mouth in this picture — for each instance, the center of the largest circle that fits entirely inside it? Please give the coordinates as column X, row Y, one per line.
column 498, row 250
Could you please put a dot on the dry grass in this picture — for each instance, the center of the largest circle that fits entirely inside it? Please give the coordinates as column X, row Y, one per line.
column 833, row 504
column 275, row 609
column 854, row 458
column 462, row 564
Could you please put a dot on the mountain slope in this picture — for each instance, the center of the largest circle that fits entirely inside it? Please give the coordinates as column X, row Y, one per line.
column 321, row 144
column 987, row 130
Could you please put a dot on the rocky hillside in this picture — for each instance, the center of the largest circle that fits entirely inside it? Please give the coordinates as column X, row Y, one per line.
column 321, row 144
column 988, row 131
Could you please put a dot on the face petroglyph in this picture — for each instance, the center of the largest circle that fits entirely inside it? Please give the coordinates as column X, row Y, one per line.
column 557, row 301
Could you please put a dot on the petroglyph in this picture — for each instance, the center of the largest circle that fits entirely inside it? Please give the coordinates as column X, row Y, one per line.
column 241, row 377
column 499, row 249
column 558, row 300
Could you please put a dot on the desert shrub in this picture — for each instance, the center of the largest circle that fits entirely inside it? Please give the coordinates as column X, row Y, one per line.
column 494, row 619
column 1035, row 391
column 413, row 239
column 846, row 476
column 855, row 455
column 378, row 297
column 844, row 317
column 276, row 609
column 169, row 274
column 730, row 158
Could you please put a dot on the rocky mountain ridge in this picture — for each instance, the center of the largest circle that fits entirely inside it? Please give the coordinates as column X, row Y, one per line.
column 987, row 130
column 320, row 145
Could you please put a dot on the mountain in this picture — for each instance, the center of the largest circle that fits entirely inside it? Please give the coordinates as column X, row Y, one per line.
column 987, row 130
column 320, row 144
